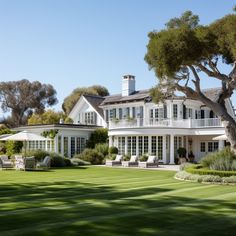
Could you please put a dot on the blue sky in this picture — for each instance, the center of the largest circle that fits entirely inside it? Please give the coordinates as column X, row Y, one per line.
column 74, row 43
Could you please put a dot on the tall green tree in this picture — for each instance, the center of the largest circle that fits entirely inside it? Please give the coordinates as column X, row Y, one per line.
column 72, row 99
column 23, row 97
column 182, row 52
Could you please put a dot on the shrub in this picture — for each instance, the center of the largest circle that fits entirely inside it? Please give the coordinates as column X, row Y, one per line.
column 13, row 147
column 229, row 180
column 38, row 154
column 144, row 157
column 2, row 147
column 224, row 160
column 98, row 136
column 181, row 151
column 79, row 162
column 184, row 165
column 67, row 162
column 111, row 156
column 92, row 156
column 57, row 160
column 197, row 169
column 126, row 157
column 102, row 148
column 113, row 150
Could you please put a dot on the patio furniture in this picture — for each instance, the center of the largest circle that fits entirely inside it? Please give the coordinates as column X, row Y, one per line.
column 151, row 162
column 29, row 163
column 45, row 164
column 133, row 162
column 5, row 163
column 116, row 162
column 19, row 162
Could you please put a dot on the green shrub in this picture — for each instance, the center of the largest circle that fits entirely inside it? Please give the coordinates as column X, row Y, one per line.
column 67, row 162
column 2, row 147
column 13, row 147
column 113, row 150
column 102, row 148
column 144, row 157
column 181, row 151
column 79, row 162
column 38, row 154
column 184, row 165
column 98, row 136
column 57, row 160
column 229, row 180
column 224, row 160
column 111, row 156
column 92, row 156
column 126, row 157
column 197, row 169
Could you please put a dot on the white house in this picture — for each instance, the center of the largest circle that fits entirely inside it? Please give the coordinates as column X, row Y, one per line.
column 137, row 126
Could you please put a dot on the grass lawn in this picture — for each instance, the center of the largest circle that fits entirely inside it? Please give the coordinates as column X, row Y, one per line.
column 111, row 201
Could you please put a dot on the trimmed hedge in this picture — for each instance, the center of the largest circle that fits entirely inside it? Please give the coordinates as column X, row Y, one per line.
column 197, row 169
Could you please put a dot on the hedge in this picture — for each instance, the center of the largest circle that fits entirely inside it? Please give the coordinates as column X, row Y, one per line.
column 197, row 169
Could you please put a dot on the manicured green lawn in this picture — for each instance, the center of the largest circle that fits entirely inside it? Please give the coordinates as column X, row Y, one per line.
column 111, row 201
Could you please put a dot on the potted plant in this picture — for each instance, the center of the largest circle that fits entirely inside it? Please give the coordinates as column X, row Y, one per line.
column 182, row 154
column 191, row 156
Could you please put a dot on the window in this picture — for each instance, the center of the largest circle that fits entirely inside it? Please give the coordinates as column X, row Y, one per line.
column 156, row 113
column 66, row 146
column 59, row 144
column 165, row 111
column 151, row 114
column 134, row 145
column 216, row 146
column 107, row 115
column 72, row 146
column 154, row 145
column 129, row 145
column 120, row 113
column 210, row 147
column 90, row 118
column 175, row 111
column 140, row 145
column 127, row 112
column 121, row 145
column 202, row 147
column 145, row 144
column 160, row 147
column 134, row 112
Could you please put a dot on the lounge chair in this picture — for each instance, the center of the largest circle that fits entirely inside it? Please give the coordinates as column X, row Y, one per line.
column 151, row 162
column 116, row 162
column 30, row 163
column 45, row 164
column 5, row 163
column 19, row 162
column 133, row 162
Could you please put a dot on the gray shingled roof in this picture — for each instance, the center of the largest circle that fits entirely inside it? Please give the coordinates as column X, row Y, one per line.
column 141, row 95
column 95, row 102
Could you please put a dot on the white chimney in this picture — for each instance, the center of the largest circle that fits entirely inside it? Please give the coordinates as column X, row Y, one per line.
column 128, row 85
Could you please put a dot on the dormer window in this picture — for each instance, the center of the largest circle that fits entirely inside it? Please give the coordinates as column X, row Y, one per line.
column 90, row 118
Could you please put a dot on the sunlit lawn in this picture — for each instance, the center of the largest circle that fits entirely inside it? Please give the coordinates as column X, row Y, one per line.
column 112, row 201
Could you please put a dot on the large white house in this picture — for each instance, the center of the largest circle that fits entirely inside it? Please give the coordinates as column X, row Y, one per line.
column 137, row 126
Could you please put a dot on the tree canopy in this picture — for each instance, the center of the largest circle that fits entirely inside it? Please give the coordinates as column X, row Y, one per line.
column 23, row 98
column 71, row 100
column 184, row 50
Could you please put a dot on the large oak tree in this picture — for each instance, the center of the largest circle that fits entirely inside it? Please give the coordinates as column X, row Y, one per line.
column 23, row 97
column 184, row 51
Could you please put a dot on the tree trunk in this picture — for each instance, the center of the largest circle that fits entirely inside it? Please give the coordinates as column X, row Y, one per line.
column 230, row 131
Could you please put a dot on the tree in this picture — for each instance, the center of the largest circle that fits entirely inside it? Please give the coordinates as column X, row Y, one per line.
column 23, row 97
column 71, row 100
column 100, row 135
column 48, row 117
column 184, row 51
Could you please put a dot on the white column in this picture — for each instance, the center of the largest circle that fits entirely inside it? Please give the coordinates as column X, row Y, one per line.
column 110, row 141
column 137, row 146
column 62, row 145
column 172, row 151
column 187, row 151
column 164, row 149
column 221, row 144
column 149, row 145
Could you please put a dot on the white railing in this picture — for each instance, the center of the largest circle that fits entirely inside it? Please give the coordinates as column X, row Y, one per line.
column 183, row 123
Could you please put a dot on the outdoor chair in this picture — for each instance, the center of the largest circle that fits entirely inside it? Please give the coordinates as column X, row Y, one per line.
column 45, row 164
column 19, row 162
column 29, row 163
column 5, row 163
column 133, row 162
column 116, row 162
column 151, row 162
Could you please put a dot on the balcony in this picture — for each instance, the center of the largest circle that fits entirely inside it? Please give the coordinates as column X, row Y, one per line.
column 170, row 123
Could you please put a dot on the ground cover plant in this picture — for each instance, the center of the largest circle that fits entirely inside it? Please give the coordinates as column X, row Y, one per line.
column 112, row 201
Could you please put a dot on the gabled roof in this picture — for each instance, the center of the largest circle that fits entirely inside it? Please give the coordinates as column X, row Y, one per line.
column 95, row 102
column 143, row 95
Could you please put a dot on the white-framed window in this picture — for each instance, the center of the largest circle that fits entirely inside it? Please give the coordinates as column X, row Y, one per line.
column 175, row 111
column 90, row 118
column 202, row 147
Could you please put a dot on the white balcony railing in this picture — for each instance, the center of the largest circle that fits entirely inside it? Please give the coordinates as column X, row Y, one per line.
column 183, row 123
